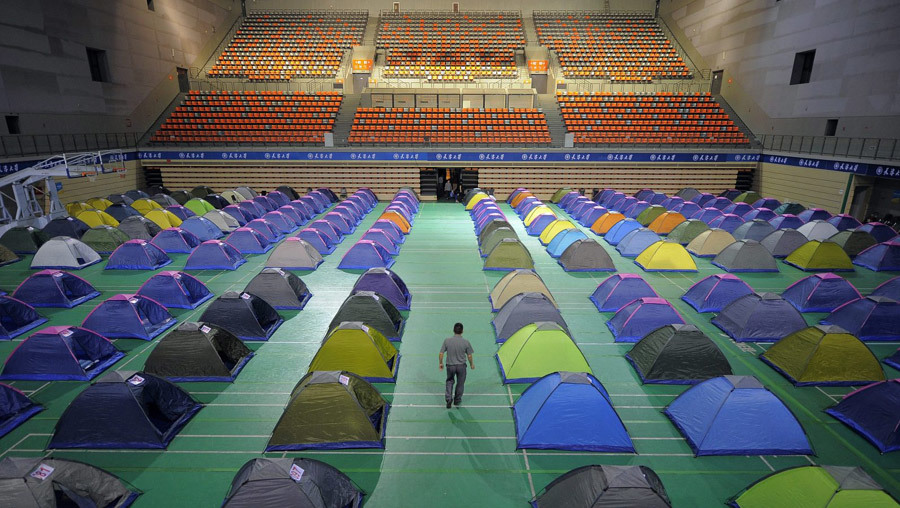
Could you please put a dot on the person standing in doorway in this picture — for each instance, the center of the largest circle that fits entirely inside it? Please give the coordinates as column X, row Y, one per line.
column 457, row 349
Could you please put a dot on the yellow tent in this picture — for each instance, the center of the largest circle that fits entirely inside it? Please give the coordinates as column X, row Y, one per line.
column 820, row 256
column 665, row 256
column 76, row 207
column 477, row 198
column 553, row 229
column 665, row 223
column 604, row 222
column 163, row 218
column 144, row 205
column 99, row 203
column 94, row 218
column 515, row 282
column 538, row 210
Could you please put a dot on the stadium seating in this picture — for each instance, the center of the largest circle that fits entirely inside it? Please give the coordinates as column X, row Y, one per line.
column 659, row 118
column 282, row 45
column 620, row 47
column 251, row 117
column 449, row 126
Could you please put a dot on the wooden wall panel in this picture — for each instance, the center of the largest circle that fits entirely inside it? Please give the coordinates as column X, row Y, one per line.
column 808, row 186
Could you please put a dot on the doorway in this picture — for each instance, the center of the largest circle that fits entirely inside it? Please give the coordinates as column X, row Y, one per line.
column 859, row 207
column 184, row 82
column 715, row 86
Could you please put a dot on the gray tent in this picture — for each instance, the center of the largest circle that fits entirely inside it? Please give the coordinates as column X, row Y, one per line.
column 30, row 482
column 164, row 200
column 524, row 309
column 247, row 192
column 243, row 314
column 222, row 220
column 280, row 288
column 496, row 236
column 746, row 256
column 265, row 482
column 818, row 230
column 198, row 352
column 853, row 242
column 23, row 239
column 181, row 196
column 756, row 229
column 677, row 354
column 64, row 252
column 139, row 228
column 586, row 255
column 489, row 228
column 687, row 193
column 687, row 231
column 294, row 254
column 372, row 309
column 104, row 239
column 600, row 486
column 782, row 242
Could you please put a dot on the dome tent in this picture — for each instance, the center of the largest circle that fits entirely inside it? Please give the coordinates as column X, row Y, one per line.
column 618, row 290
column 881, row 232
column 786, row 221
column 686, row 231
column 605, row 222
column 387, row 284
column 181, row 212
column 884, row 256
column 820, row 256
column 817, row 230
column 636, row 241
column 873, row 318
column 677, row 354
column 586, row 255
column 15, row 408
column 843, row 221
column 889, row 288
column 7, row 257
column 745, row 256
column 365, row 254
column 874, row 412
column 666, row 222
column 104, row 239
column 560, row 242
column 509, row 254
column 789, row 208
column 710, row 243
column 555, row 228
column 64, row 253
column 137, row 255
column 618, row 231
column 378, row 236
column 514, row 283
column 665, row 256
column 853, row 241
column 139, row 228
column 811, row 214
column 222, row 220
column 264, row 482
column 17, row 317
column 249, row 241
column 355, row 347
column 198, row 352
column 606, row 485
column 202, row 228
column 729, row 222
column 59, row 353
column 782, row 242
column 538, row 349
column 176, row 240
column 177, row 290
column 765, row 214
column 755, row 229
column 129, row 317
column 372, row 309
column 55, row 288
column 279, row 288
column 759, row 317
column 523, row 309
column 714, row 293
column 294, row 254
column 640, row 317
column 822, row 292
column 214, row 255
column 27, row 483
column 246, row 315
column 814, row 487
column 65, row 226
column 323, row 243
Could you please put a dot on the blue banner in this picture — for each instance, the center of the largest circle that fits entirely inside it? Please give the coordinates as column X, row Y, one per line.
column 7, row 168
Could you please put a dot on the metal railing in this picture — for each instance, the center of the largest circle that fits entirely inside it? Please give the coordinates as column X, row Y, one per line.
column 702, row 73
column 861, row 148
column 41, row 144
column 602, row 85
column 236, row 85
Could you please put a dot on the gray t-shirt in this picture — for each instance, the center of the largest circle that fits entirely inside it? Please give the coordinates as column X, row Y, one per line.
column 456, row 348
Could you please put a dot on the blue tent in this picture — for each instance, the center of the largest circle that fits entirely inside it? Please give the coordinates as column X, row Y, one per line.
column 874, row 412
column 281, row 222
column 302, row 209
column 181, row 212
column 327, row 229
column 121, row 211
column 562, row 240
column 590, row 216
column 202, row 228
column 315, row 205
column 15, row 408
column 822, row 292
column 129, row 317
column 278, row 197
column 175, row 240
column 238, row 213
column 55, row 288
column 640, row 317
column 383, row 239
column 890, row 289
column 737, row 415
column 249, row 241
column 214, row 255
column 243, row 314
column 175, row 290
column 366, row 254
column 569, row 411
column 624, row 204
column 643, row 194
column 760, row 213
column 671, row 202
column 894, row 360
column 719, row 203
column 739, row 209
column 17, row 317
column 322, row 242
column 636, row 241
column 770, row 203
column 714, row 293
column 884, row 256
column 881, row 232
column 620, row 229
column 539, row 223
column 353, row 215
column 612, row 202
column 707, row 215
column 728, row 222
column 656, row 198
column 759, row 317
column 387, row 284
column 812, row 214
column 292, row 213
column 844, row 221
column 137, row 255
column 252, row 210
column 620, row 289
column 873, row 318
column 125, row 410
column 635, row 209
column 786, row 221
column 688, row 210
column 59, row 353
column 265, row 202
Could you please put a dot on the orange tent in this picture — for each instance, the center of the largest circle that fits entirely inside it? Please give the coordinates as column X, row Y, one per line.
column 519, row 197
column 665, row 223
column 604, row 222
column 397, row 219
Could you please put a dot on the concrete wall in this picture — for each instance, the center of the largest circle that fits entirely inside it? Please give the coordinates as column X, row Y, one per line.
column 526, row 6
column 44, row 72
column 854, row 78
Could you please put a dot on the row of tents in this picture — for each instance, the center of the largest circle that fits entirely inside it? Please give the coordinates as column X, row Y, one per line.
column 381, row 242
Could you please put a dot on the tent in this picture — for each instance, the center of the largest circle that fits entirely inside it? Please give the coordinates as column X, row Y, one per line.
column 737, row 415
column 387, row 284
column 768, row 203
column 139, row 228
column 817, row 230
column 745, row 256
column 823, row 355
column 355, row 347
column 7, row 257
column 822, row 292
column 729, row 222
column 590, row 216
column 249, row 241
column 287, row 190
column 129, row 317
column 853, row 241
column 163, row 218
column 844, row 222
column 666, row 222
column 641, row 316
column 324, row 227
column 739, row 209
column 811, row 214
column 293, row 214
column 711, row 243
column 65, row 226
column 264, row 482
column 540, row 222
column 650, row 214
column 635, row 242
column 145, row 205
column 125, row 410
column 620, row 289
column 873, row 318
column 748, row 197
column 714, row 293
column 782, row 242
column 759, row 317
column 814, row 487
column 569, row 411
column 104, row 239
column 365, row 254
column 255, row 211
column 554, row 229
column 222, row 220
column 372, row 309
column 76, row 207
column 199, row 206
column 175, row 290
column 15, row 408
column 201, row 191
column 382, row 238
column 17, row 317
column 524, row 309
column 59, row 353
column 563, row 240
column 54, row 288
column 509, row 254
column 48, row 481
column 635, row 208
column 535, row 212
column 181, row 196
column 786, row 221
column 244, row 314
column 536, row 350
column 205, row 229
column 489, row 227
column 671, row 202
column 175, row 240
column 279, row 288
column 607, row 485
column 755, row 229
column 474, row 200
column 687, row 193
column 294, row 254
column 137, row 194
column 894, row 360
column 23, row 239
column 323, row 243
column 621, row 228
column 687, row 209
column 180, row 211
column 96, row 218
column 677, row 354
column 664, row 256
column 64, row 252
column 198, row 352
column 789, row 208
column 558, row 195
column 337, row 220
column 884, row 256
column 245, row 192
column 686, row 231
column 760, row 213
column 881, row 232
column 602, row 225
column 214, row 255
column 103, row 203
column 164, row 200
column 514, row 283
column 397, row 219
column 622, row 205
column 331, row 410
column 707, row 215
column 874, row 412
column 889, row 288
column 137, row 255
column 494, row 237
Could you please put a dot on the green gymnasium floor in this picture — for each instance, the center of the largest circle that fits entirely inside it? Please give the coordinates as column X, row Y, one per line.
column 437, row 457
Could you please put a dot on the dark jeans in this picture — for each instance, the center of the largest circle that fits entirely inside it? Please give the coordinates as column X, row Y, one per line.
column 459, row 373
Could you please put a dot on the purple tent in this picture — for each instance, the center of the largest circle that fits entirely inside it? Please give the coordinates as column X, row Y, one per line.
column 17, row 318
column 278, row 197
column 214, row 255
column 267, row 229
column 786, row 221
column 266, row 203
column 281, row 222
column 60, row 353
column 179, row 211
column 759, row 317
column 873, row 318
column 340, row 223
column 238, row 213
column 890, row 289
column 719, row 203
column 202, row 228
column 881, row 232
column 844, row 221
column 620, row 289
column 687, row 209
column 175, row 240
column 822, row 292
column 15, row 408
column 640, row 317
column 54, row 288
column 738, row 209
column 643, row 194
column 671, row 202
column 392, row 228
column 137, row 255
column 728, row 222
column 366, row 254
column 249, row 241
column 702, row 199
column 759, row 213
column 812, row 214
column 874, row 412
column 707, row 215
column 129, row 317
column 769, row 203
column 252, row 209
column 635, row 209
column 382, row 238
column 176, row 290
column 539, row 223
column 319, row 240
column 884, row 256
column 714, row 293
column 387, row 284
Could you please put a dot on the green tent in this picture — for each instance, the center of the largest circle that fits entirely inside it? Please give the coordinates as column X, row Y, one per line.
column 815, row 487
column 559, row 194
column 687, row 231
column 748, row 197
column 853, row 242
column 104, row 239
column 329, row 410
column 496, row 236
column 677, row 354
column 199, row 206
column 509, row 254
column 359, row 349
column 819, row 256
column 789, row 208
column 7, row 256
column 539, row 349
column 490, row 227
column 824, row 355
column 650, row 214
column 23, row 239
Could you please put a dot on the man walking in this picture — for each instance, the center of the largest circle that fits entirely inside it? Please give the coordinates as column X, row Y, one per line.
column 457, row 349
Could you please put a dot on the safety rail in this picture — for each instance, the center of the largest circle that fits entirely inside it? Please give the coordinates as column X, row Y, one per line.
column 861, row 148
column 39, row 144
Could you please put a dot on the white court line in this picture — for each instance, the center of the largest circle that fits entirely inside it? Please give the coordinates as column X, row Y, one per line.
column 766, row 463
column 832, row 397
